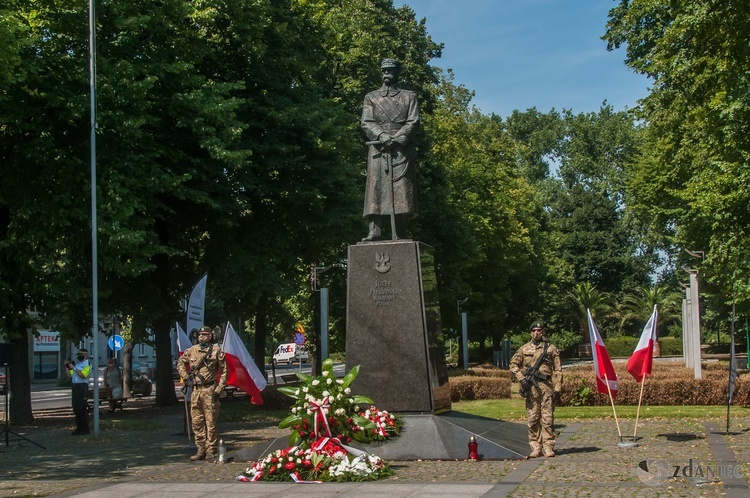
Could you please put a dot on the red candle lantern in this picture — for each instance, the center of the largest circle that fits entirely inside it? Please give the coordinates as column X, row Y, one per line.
column 473, row 449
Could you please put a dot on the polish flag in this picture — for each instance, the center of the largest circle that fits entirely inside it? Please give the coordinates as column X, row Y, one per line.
column 183, row 341
column 242, row 372
column 639, row 365
column 602, row 363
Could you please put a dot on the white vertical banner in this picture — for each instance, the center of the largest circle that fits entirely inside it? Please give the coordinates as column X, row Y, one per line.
column 197, row 305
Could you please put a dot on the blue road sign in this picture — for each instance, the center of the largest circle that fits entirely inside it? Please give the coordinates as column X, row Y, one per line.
column 116, row 342
column 299, row 338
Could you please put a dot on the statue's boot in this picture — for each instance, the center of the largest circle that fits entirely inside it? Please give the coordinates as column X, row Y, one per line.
column 375, row 232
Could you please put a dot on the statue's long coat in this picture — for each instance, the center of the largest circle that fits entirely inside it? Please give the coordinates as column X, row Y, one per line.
column 394, row 111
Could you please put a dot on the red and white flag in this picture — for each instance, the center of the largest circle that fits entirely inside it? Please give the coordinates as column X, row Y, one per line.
column 602, row 364
column 639, row 365
column 242, row 372
column 183, row 341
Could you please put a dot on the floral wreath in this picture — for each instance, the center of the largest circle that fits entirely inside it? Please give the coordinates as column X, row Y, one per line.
column 324, row 418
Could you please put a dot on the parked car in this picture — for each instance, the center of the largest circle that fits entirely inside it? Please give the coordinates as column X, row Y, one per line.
column 140, row 385
column 144, row 368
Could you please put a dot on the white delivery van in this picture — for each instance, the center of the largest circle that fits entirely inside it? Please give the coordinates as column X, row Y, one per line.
column 291, row 352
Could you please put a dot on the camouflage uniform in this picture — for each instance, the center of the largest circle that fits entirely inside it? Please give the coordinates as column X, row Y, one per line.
column 210, row 380
column 540, row 408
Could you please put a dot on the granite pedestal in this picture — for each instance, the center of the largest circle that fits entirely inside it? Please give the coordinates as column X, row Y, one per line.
column 393, row 328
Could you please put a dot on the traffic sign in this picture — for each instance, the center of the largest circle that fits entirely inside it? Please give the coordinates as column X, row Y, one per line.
column 116, row 342
column 299, row 338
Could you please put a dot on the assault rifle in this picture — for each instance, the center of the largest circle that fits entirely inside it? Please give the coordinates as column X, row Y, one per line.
column 190, row 381
column 532, row 374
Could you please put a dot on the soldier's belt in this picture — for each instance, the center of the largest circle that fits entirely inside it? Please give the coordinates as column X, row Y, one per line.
column 207, row 384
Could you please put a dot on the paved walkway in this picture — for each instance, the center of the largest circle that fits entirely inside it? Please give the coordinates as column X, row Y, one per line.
column 150, row 458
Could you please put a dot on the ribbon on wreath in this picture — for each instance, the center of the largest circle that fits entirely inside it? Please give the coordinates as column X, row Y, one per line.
column 380, row 429
column 319, row 411
column 330, row 445
column 298, row 479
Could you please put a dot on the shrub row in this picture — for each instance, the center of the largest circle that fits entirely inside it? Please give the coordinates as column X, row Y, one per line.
column 470, row 387
column 486, row 370
column 669, row 384
column 623, row 346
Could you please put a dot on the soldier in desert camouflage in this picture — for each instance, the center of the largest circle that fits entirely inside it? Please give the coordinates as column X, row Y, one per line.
column 204, row 367
column 536, row 365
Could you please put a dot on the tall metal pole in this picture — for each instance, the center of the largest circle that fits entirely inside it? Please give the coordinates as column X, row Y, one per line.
column 464, row 332
column 695, row 325
column 323, row 323
column 94, row 257
column 465, row 340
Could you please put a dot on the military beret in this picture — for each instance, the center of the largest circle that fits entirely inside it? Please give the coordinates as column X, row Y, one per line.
column 537, row 325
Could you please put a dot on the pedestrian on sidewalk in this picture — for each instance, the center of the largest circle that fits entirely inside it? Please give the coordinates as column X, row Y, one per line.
column 536, row 365
column 79, row 375
column 113, row 381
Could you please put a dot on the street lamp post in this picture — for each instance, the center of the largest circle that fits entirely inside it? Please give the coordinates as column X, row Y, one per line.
column 320, row 296
column 464, row 332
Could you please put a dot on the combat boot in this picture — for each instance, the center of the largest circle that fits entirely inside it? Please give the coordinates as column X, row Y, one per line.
column 548, row 452
column 210, row 457
column 198, row 456
column 535, row 452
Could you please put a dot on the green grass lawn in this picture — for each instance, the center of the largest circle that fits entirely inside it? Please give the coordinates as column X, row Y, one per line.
column 514, row 409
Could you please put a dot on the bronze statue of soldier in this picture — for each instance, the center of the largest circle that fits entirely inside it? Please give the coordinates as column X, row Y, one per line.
column 390, row 119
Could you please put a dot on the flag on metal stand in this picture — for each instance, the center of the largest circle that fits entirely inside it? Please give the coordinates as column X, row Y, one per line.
column 639, row 364
column 606, row 377
column 183, row 341
column 242, row 372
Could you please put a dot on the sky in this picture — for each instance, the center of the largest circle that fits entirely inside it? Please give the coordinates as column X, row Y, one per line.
column 517, row 54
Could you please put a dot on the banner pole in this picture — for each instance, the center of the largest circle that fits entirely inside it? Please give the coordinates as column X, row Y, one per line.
column 638, row 411
column 612, row 401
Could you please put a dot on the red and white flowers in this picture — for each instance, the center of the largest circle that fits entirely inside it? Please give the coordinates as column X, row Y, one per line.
column 325, row 417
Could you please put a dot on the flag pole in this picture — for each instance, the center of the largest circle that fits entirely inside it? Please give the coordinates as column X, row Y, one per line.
column 638, row 411
column 612, row 401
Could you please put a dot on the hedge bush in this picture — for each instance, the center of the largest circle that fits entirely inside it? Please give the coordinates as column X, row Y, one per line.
column 623, row 346
column 470, row 387
column 669, row 384
column 485, row 370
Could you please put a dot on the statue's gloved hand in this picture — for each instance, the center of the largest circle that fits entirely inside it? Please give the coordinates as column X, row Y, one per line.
column 385, row 139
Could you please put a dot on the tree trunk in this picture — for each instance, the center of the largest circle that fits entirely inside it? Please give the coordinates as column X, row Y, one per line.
column 261, row 327
column 165, row 395
column 20, row 383
column 127, row 368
